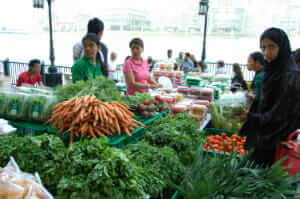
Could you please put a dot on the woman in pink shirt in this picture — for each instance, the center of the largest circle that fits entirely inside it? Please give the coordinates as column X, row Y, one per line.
column 136, row 70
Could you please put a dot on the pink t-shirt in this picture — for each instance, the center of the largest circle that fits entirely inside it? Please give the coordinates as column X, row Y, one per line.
column 140, row 72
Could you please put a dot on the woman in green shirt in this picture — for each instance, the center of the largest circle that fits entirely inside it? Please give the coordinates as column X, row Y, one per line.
column 255, row 63
column 90, row 65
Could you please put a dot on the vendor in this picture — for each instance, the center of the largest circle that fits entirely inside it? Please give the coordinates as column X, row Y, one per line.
column 136, row 70
column 255, row 63
column 238, row 82
column 278, row 112
column 90, row 65
column 32, row 76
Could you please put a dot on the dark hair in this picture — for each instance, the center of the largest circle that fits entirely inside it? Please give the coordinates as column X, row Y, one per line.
column 237, row 70
column 221, row 63
column 93, row 37
column 136, row 41
column 95, row 25
column 170, row 50
column 258, row 56
column 33, row 62
column 187, row 54
column 126, row 58
column 297, row 55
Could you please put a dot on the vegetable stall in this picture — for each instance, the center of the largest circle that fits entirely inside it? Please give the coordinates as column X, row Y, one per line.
column 87, row 140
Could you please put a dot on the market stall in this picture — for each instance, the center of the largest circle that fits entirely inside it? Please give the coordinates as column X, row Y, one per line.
column 88, row 140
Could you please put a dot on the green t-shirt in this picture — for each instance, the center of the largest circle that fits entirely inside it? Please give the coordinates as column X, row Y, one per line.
column 84, row 69
column 257, row 84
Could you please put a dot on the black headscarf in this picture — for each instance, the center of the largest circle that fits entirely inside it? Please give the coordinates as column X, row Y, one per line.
column 283, row 63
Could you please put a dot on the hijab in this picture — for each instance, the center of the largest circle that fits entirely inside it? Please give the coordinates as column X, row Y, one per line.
column 275, row 69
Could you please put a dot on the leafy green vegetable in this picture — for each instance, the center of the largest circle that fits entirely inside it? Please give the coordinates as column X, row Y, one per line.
column 99, row 171
column 180, row 133
column 42, row 154
column 215, row 176
column 2, row 104
column 161, row 166
column 104, row 89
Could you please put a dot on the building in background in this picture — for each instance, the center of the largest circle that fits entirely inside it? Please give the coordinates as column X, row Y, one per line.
column 127, row 19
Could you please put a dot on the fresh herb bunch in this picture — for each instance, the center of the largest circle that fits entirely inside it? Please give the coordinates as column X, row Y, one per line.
column 104, row 89
column 99, row 171
column 180, row 133
column 161, row 166
column 42, row 154
column 215, row 176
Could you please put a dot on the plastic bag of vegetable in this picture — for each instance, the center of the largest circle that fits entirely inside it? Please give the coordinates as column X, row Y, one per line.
column 3, row 104
column 17, row 108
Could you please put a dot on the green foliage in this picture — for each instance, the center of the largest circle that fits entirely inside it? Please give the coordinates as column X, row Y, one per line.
column 160, row 167
column 215, row 176
column 180, row 133
column 104, row 89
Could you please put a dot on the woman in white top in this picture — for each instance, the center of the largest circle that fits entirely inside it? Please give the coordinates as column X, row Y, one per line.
column 220, row 68
column 112, row 67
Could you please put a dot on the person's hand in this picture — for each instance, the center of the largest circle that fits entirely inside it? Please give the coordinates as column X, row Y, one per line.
column 250, row 98
column 159, row 86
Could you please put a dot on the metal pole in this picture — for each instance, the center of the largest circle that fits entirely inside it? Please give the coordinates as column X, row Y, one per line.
column 204, row 39
column 52, row 58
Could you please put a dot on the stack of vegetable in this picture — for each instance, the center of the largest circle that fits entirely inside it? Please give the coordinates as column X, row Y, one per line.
column 87, row 116
column 180, row 133
column 229, row 177
column 104, row 89
column 161, row 167
column 146, row 105
column 225, row 143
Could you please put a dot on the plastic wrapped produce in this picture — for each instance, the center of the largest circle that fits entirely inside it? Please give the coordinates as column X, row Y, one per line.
column 226, row 111
column 17, row 185
column 202, row 102
column 3, row 104
column 207, row 76
column 183, row 89
column 178, row 108
column 17, row 108
column 222, row 78
column 200, row 110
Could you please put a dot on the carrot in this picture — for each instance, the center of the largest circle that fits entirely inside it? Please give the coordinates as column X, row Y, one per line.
column 127, row 132
column 84, row 128
column 137, row 122
column 124, row 108
column 100, row 116
column 106, row 131
column 98, row 132
column 91, row 132
column 108, row 112
column 116, row 124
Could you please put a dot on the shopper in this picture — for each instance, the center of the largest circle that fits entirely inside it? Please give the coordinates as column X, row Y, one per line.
column 278, row 112
column 255, row 63
column 179, row 59
column 220, row 68
column 297, row 57
column 136, row 70
column 170, row 59
column 112, row 67
column 95, row 26
column 193, row 59
column 187, row 65
column 238, row 82
column 90, row 65
column 32, row 76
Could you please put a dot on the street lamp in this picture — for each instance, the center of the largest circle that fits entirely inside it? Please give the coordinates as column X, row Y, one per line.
column 203, row 10
column 52, row 78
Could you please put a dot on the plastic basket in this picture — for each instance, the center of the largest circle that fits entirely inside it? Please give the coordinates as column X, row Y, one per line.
column 213, row 131
column 120, row 141
column 28, row 129
column 176, row 195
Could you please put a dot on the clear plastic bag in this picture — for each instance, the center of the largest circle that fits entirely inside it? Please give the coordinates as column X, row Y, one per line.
column 17, row 185
column 17, row 108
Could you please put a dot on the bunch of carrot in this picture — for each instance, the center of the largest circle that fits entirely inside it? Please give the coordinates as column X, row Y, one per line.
column 226, row 143
column 87, row 116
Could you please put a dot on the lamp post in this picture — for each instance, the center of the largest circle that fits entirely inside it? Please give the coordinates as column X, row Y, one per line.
column 203, row 10
column 52, row 78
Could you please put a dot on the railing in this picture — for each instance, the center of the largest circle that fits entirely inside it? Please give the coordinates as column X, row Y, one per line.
column 14, row 69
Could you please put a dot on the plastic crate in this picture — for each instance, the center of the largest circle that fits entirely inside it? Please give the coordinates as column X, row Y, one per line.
column 28, row 129
column 213, row 131
column 120, row 141
column 176, row 195
column 147, row 121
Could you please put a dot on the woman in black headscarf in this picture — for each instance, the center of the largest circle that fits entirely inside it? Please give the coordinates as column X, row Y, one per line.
column 278, row 109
